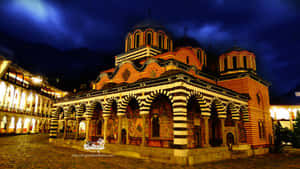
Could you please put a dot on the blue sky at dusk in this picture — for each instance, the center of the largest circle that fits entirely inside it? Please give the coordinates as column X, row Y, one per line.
column 270, row 28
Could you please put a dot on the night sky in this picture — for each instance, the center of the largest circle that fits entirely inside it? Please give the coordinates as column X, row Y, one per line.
column 75, row 40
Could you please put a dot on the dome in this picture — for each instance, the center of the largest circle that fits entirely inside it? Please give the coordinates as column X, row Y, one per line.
column 148, row 33
column 148, row 23
column 236, row 60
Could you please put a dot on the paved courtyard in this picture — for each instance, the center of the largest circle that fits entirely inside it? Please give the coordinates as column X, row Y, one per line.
column 34, row 151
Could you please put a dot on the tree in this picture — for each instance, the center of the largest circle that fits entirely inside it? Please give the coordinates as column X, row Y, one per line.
column 296, row 133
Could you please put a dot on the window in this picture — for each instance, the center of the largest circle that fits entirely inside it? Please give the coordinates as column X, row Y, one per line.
column 137, row 40
column 258, row 98
column 199, row 55
column 155, row 126
column 160, row 41
column 129, row 43
column 234, row 62
column 187, row 60
column 261, row 129
column 245, row 62
column 225, row 64
column 149, row 38
column 168, row 44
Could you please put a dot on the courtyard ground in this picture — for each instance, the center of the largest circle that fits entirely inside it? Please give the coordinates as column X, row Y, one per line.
column 34, row 151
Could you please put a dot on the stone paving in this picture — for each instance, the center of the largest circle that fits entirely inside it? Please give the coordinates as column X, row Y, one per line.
column 34, row 151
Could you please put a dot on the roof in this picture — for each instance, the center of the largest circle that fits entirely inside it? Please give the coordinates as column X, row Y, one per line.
column 149, row 23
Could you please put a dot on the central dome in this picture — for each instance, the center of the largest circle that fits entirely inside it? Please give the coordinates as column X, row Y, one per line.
column 148, row 23
column 148, row 33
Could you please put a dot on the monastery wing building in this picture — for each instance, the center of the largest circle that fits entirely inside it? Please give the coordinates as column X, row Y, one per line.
column 161, row 102
column 25, row 99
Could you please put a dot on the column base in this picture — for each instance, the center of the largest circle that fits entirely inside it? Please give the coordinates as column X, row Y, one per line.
column 206, row 145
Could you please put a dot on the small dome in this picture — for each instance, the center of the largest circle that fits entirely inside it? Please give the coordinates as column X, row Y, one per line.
column 237, row 60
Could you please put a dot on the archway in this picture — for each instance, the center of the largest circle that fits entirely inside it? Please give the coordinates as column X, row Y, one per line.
column 123, row 136
column 4, row 124
column 112, row 123
column 82, row 130
column 161, row 122
column 229, row 121
column 215, row 127
column 11, row 128
column 33, row 126
column 19, row 126
column 26, row 127
column 134, row 122
column 97, row 121
column 194, row 123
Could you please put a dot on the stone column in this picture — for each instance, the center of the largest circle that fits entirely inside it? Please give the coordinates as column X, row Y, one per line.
column 120, row 117
column 206, row 132
column 223, row 132
column 87, row 130
column 105, row 129
column 65, row 128
column 237, row 136
column 143, row 130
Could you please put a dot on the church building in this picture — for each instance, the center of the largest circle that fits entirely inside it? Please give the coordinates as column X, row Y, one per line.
column 167, row 104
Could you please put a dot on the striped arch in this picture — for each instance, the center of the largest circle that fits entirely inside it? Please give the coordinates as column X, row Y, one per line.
column 81, row 110
column 54, row 121
column 245, row 114
column 90, row 109
column 204, row 107
column 147, row 104
column 69, row 111
column 234, row 111
column 125, row 102
column 220, row 108
column 108, row 105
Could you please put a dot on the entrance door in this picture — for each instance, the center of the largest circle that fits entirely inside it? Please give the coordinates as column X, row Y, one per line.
column 197, row 134
column 230, row 139
column 123, row 136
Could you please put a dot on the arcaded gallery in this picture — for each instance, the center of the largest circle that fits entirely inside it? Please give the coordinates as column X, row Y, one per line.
column 25, row 100
column 170, row 103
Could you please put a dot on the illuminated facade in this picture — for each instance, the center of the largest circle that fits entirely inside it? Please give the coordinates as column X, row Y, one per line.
column 284, row 114
column 164, row 101
column 25, row 100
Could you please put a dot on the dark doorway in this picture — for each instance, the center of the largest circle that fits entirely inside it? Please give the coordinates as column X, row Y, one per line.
column 197, row 131
column 123, row 136
column 230, row 139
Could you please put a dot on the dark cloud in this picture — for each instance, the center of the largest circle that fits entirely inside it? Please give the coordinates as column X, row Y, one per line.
column 268, row 27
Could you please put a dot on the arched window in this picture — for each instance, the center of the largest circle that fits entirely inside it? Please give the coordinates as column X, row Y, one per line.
column 245, row 62
column 234, row 62
column 261, row 129
column 128, row 43
column 258, row 98
column 199, row 55
column 168, row 44
column 137, row 40
column 225, row 64
column 149, row 38
column 160, row 41
column 187, row 60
